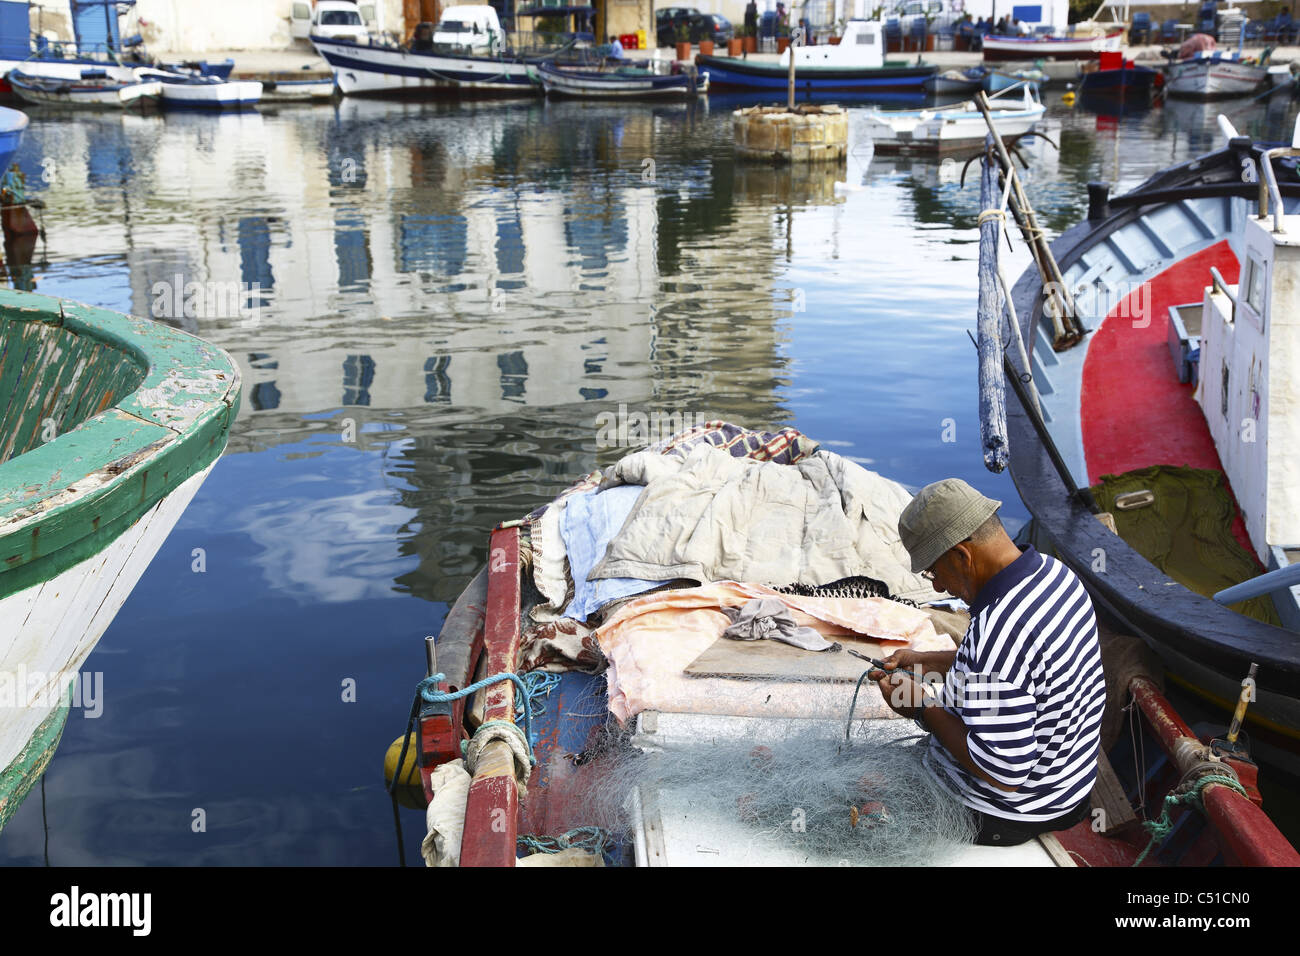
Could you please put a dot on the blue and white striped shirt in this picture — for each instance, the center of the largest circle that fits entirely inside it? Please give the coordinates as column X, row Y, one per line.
column 1027, row 683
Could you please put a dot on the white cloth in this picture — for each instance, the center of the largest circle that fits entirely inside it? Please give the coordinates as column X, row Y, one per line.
column 445, row 817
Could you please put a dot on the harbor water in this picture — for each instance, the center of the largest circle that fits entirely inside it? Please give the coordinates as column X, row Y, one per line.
column 444, row 314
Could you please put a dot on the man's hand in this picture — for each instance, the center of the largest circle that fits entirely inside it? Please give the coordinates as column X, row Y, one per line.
column 903, row 694
column 929, row 661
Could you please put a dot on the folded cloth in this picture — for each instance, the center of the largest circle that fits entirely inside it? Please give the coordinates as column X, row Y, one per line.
column 588, row 523
column 768, row 618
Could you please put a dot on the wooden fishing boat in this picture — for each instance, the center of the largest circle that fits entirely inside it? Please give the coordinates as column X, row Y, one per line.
column 518, row 799
column 1216, row 75
column 1147, row 271
column 957, row 126
column 363, row 69
column 621, row 83
column 1051, row 48
column 1113, row 75
column 109, row 426
column 201, row 93
column 293, row 89
column 855, row 65
column 94, row 90
column 955, row 82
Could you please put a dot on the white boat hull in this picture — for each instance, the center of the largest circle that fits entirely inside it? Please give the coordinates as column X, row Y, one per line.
column 48, row 630
column 365, row 70
column 1029, row 48
column 233, row 94
column 297, row 91
column 54, row 70
column 937, row 130
column 1208, row 78
column 83, row 99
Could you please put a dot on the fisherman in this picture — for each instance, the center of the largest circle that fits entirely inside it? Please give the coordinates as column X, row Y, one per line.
column 615, row 49
column 1016, row 729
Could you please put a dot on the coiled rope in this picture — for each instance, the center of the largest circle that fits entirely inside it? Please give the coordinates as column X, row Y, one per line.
column 1186, row 794
column 531, row 688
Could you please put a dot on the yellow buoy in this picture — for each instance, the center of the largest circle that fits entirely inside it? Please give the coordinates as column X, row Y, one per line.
column 1068, row 99
column 410, row 768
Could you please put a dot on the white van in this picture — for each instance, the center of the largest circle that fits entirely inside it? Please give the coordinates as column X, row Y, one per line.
column 336, row 19
column 470, row 29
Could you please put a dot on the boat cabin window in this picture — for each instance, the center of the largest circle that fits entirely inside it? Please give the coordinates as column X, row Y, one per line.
column 301, row 11
column 1255, row 274
column 866, row 38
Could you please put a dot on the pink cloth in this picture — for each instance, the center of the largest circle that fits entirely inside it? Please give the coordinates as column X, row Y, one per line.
column 651, row 641
column 1194, row 44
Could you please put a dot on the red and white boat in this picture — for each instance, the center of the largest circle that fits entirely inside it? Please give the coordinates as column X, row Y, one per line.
column 1051, row 48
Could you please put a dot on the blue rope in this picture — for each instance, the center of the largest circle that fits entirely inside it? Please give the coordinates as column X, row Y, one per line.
column 428, row 690
column 589, row 838
column 539, row 685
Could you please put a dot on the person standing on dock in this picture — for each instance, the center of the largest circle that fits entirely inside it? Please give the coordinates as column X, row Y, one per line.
column 751, row 22
column 1017, row 730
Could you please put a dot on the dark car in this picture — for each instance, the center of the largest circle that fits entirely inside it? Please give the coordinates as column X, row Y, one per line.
column 710, row 26
column 668, row 20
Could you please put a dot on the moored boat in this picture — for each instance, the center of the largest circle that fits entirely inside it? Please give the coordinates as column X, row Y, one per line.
column 956, row 126
column 1148, row 270
column 362, row 69
column 1051, row 48
column 291, row 89
column 621, row 83
column 112, row 426
column 1216, row 75
column 855, row 65
column 556, row 711
column 1113, row 75
column 94, row 90
column 202, row 93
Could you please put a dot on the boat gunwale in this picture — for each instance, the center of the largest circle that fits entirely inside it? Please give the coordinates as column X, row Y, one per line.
column 70, row 497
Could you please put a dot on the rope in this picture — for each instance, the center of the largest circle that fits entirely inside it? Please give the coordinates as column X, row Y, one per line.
column 428, row 689
column 848, row 726
column 991, row 215
column 1184, row 795
column 591, row 839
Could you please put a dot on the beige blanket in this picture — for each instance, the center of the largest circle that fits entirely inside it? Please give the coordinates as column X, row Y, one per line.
column 712, row 517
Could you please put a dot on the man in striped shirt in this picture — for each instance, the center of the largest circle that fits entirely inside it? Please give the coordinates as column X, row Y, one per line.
column 1017, row 725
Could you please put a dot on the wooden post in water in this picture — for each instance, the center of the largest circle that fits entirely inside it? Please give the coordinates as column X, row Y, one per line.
column 794, row 38
column 993, row 383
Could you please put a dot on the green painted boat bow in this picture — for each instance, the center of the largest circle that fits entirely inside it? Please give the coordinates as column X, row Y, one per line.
column 102, row 415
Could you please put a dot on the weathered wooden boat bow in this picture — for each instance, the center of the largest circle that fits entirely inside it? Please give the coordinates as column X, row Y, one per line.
column 498, row 755
column 108, row 425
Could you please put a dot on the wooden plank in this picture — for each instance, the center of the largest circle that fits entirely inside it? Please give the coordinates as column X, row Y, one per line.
column 1109, row 797
column 767, row 660
column 492, row 809
column 1059, row 854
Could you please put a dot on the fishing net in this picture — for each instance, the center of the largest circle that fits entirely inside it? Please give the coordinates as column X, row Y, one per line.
column 808, row 797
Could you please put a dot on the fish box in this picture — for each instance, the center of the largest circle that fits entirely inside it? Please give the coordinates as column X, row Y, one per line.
column 1185, row 340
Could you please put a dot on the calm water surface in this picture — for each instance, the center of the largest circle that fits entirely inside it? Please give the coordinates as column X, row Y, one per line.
column 447, row 298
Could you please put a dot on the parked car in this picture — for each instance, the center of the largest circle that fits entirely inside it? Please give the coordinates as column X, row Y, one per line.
column 710, row 26
column 336, row 19
column 668, row 20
